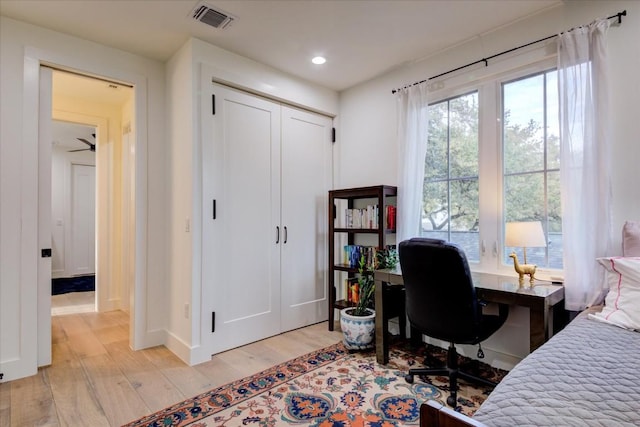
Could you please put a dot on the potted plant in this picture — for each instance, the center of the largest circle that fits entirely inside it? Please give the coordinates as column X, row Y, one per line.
column 358, row 322
column 387, row 258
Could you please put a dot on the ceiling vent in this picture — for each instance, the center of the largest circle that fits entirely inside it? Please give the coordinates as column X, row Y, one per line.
column 213, row 17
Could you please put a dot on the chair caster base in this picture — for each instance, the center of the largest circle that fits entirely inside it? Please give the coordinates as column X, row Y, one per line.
column 409, row 379
column 451, row 401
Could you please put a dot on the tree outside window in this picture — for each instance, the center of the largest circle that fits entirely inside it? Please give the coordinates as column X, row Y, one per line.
column 528, row 175
column 450, row 201
column 531, row 162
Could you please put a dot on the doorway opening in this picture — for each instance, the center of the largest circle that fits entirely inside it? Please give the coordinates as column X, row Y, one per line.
column 92, row 194
column 73, row 231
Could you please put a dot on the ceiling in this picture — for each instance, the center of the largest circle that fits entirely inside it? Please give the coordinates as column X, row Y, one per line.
column 65, row 135
column 83, row 90
column 89, row 89
column 360, row 39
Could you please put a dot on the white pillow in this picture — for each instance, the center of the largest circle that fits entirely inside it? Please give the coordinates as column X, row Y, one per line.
column 631, row 238
column 622, row 304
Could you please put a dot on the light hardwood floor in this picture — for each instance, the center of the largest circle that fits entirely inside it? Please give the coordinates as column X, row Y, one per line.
column 96, row 380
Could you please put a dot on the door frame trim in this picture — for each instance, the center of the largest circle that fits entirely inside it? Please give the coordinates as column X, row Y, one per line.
column 31, row 334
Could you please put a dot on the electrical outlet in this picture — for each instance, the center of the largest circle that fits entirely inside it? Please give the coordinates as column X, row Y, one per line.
column 186, row 310
column 187, row 225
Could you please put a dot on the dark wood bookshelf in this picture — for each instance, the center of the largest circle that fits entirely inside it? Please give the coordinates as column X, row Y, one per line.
column 380, row 195
column 345, row 267
column 340, row 304
column 363, row 230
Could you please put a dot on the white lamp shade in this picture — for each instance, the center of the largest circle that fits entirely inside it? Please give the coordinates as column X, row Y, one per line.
column 525, row 234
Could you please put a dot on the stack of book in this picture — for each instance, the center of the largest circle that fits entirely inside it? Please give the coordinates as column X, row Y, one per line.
column 367, row 218
column 362, row 218
column 352, row 289
column 353, row 253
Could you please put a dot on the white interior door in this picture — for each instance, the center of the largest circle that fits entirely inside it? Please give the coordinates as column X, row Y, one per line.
column 306, row 179
column 83, row 230
column 44, row 216
column 241, row 250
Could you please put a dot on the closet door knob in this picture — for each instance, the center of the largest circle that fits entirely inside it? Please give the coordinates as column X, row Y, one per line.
column 285, row 234
column 277, row 234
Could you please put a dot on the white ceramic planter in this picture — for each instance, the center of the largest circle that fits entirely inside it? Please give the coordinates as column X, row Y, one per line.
column 358, row 331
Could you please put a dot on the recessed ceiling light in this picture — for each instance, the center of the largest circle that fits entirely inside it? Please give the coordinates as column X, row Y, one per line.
column 319, row 60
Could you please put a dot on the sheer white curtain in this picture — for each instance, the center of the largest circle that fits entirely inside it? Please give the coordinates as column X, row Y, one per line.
column 584, row 155
column 412, row 147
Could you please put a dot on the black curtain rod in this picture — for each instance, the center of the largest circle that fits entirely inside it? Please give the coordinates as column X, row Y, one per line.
column 618, row 15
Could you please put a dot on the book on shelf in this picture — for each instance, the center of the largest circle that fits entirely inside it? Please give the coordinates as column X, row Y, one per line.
column 362, row 217
column 353, row 253
column 390, row 216
column 352, row 289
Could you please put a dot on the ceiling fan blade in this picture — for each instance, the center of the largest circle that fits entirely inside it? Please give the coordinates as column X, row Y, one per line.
column 82, row 149
column 86, row 142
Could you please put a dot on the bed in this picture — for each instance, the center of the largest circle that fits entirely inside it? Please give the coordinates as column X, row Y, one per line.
column 586, row 375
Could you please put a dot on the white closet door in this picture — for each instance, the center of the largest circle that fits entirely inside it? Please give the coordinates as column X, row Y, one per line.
column 83, row 219
column 241, row 252
column 306, row 179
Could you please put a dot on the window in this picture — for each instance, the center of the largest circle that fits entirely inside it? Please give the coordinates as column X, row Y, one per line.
column 531, row 161
column 479, row 175
column 450, row 201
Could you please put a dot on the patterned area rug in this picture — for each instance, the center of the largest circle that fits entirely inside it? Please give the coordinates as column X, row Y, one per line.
column 327, row 388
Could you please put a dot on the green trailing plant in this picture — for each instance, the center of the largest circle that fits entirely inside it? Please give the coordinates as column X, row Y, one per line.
column 385, row 258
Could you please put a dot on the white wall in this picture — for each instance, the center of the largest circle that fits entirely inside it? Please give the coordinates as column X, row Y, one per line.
column 184, row 167
column 367, row 132
column 180, row 128
column 21, row 46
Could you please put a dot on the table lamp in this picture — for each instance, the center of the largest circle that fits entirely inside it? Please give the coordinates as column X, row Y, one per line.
column 524, row 234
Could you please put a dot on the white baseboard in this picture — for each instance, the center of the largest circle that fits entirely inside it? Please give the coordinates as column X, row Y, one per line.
column 153, row 338
column 188, row 354
column 110, row 305
column 494, row 358
column 16, row 368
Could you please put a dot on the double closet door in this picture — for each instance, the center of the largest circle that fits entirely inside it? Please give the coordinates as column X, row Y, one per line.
column 267, row 168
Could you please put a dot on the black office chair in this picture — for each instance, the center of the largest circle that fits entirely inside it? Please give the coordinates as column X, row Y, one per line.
column 441, row 303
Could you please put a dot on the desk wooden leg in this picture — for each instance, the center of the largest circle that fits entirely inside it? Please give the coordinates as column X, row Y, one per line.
column 540, row 322
column 332, row 297
column 382, row 327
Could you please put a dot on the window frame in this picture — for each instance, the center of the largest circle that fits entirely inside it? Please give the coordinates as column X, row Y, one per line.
column 544, row 171
column 449, row 179
column 490, row 152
